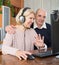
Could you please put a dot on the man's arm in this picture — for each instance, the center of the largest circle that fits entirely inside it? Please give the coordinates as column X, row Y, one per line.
column 10, row 29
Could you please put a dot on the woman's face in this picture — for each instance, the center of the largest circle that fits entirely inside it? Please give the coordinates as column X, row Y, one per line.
column 29, row 20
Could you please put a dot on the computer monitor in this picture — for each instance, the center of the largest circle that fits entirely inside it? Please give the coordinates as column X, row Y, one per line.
column 55, row 31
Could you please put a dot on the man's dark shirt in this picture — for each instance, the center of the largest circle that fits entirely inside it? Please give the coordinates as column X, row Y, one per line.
column 46, row 33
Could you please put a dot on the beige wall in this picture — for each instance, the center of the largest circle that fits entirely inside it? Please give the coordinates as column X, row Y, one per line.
column 48, row 5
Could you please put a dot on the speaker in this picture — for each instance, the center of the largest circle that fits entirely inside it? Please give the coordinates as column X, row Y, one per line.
column 5, row 18
column 22, row 17
column 0, row 34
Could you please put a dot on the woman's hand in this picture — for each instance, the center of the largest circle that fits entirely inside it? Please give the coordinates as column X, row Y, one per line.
column 22, row 54
column 39, row 41
column 10, row 29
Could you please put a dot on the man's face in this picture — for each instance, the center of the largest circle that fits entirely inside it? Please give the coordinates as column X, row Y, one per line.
column 40, row 17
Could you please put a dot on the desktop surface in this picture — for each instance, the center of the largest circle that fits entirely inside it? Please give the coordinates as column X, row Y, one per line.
column 12, row 60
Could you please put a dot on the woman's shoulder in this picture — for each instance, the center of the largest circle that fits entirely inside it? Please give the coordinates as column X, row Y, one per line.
column 32, row 31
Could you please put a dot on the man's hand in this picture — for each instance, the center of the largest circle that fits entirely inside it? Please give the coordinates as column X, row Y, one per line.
column 10, row 29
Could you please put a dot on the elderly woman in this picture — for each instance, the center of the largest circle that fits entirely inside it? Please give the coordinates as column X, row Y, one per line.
column 20, row 43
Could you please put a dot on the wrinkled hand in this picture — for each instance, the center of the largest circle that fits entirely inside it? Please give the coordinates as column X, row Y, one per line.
column 22, row 54
column 10, row 29
column 39, row 41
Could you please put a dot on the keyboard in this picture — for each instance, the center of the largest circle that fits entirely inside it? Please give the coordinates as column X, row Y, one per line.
column 43, row 54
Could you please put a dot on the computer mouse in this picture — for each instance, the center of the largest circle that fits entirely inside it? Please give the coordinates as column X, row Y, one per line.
column 30, row 57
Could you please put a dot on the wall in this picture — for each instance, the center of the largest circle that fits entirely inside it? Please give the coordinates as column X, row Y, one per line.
column 48, row 5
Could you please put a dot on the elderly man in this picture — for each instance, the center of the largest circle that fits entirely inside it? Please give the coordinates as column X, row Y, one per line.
column 41, row 27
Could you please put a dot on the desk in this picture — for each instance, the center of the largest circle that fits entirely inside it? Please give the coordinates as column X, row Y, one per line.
column 12, row 60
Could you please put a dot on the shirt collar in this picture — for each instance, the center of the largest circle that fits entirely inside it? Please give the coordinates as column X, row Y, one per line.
column 43, row 26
